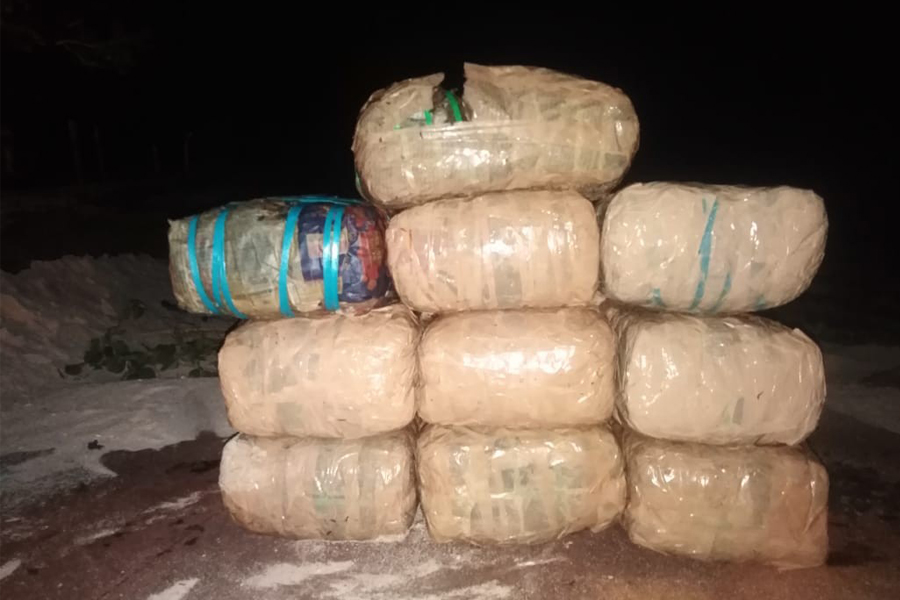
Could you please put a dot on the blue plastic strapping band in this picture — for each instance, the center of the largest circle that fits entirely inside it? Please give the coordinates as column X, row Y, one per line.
column 331, row 254
column 219, row 272
column 195, row 267
column 320, row 200
column 284, row 301
column 705, row 251
column 287, row 239
column 725, row 289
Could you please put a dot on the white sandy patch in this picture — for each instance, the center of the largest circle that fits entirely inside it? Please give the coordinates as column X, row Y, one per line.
column 542, row 561
column 491, row 590
column 90, row 538
column 177, row 591
column 9, row 568
column 179, row 503
column 284, row 574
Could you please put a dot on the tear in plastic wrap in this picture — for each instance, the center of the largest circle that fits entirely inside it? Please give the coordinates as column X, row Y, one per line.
column 711, row 249
column 717, row 380
column 310, row 488
column 491, row 486
column 505, row 250
column 522, row 128
column 759, row 504
column 253, row 236
column 330, row 376
column 518, row 368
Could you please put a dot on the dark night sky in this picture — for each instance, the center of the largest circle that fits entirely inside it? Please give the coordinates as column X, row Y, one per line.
column 272, row 108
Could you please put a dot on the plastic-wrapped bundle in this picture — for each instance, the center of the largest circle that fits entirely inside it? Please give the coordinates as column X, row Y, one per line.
column 311, row 488
column 728, row 380
column 331, row 376
column 518, row 486
column 515, row 128
column 537, row 249
column 760, row 504
column 518, row 368
column 277, row 256
column 711, row 249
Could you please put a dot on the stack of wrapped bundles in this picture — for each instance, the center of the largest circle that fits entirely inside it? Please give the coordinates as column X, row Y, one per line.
column 717, row 402
column 323, row 401
column 516, row 450
column 500, row 250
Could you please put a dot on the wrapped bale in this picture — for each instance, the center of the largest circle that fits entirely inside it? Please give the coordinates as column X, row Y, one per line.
column 310, row 488
column 729, row 380
column 711, row 249
column 331, row 376
column 231, row 260
column 515, row 128
column 760, row 504
column 537, row 249
column 527, row 486
column 518, row 368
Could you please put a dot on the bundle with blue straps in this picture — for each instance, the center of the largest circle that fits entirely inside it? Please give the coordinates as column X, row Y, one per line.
column 280, row 257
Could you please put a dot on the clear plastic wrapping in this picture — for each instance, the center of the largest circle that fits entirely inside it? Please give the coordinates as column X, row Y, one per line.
column 521, row 128
column 498, row 486
column 711, row 249
column 518, row 368
column 759, row 504
column 535, row 249
column 717, row 380
column 252, row 236
column 330, row 376
column 311, row 488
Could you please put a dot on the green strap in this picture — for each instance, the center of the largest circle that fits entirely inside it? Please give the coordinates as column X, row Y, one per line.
column 454, row 106
column 457, row 114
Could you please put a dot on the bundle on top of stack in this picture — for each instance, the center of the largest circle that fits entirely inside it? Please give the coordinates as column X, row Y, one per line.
column 321, row 400
column 515, row 394
column 534, row 249
column 514, row 128
column 274, row 257
column 711, row 249
column 699, row 392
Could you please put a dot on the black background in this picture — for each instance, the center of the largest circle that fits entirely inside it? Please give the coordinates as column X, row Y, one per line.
column 271, row 98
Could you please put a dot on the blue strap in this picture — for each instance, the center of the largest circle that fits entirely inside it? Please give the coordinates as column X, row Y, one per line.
column 705, row 251
column 284, row 301
column 219, row 274
column 331, row 254
column 725, row 289
column 319, row 200
column 331, row 248
column 195, row 267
